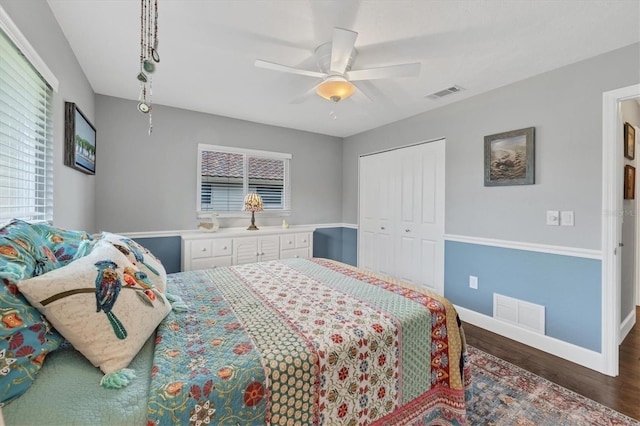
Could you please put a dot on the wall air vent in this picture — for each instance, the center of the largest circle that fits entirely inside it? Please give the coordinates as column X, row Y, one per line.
column 445, row 92
column 520, row 313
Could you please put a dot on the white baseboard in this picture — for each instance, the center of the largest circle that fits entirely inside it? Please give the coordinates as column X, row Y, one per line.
column 568, row 351
column 627, row 324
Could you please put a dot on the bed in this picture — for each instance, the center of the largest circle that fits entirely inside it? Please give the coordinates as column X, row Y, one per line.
column 296, row 341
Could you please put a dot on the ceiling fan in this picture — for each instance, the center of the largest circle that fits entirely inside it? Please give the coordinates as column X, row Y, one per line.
column 335, row 59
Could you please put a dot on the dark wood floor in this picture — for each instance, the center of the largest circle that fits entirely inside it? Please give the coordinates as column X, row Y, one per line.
column 621, row 393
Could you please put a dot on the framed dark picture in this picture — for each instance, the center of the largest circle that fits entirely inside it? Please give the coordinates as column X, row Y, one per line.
column 509, row 158
column 79, row 140
column 629, row 141
column 629, row 182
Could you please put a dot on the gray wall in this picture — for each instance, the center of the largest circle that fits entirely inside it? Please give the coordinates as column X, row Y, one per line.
column 565, row 107
column 73, row 191
column 148, row 183
column 630, row 111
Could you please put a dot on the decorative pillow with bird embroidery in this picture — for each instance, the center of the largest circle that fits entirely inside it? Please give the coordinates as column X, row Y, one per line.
column 101, row 304
column 142, row 258
column 26, row 337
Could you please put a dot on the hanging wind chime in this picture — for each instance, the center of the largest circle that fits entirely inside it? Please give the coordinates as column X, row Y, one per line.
column 149, row 56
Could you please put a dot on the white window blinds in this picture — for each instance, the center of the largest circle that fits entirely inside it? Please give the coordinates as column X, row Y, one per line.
column 226, row 175
column 26, row 138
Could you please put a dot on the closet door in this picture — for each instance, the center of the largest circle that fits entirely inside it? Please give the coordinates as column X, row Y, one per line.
column 376, row 227
column 401, row 216
column 420, row 249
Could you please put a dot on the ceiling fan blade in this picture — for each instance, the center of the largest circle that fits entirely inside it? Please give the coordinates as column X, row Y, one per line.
column 306, row 95
column 391, row 71
column 361, row 95
column 341, row 48
column 283, row 68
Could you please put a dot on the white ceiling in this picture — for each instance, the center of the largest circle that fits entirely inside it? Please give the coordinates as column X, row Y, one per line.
column 208, row 47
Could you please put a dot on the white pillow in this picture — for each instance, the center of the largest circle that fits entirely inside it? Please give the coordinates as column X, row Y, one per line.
column 140, row 257
column 100, row 309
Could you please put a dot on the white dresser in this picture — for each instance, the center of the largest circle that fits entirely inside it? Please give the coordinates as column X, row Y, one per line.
column 235, row 246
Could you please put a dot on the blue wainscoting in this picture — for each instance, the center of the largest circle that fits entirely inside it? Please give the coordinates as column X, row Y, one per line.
column 569, row 287
column 167, row 249
column 350, row 246
column 337, row 243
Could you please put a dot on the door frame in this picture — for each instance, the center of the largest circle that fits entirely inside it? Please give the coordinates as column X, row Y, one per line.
column 612, row 174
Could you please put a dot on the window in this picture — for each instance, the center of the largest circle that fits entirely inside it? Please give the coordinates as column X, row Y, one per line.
column 226, row 175
column 26, row 136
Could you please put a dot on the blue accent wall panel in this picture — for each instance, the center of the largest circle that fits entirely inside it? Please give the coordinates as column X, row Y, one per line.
column 336, row 243
column 167, row 249
column 569, row 287
column 327, row 243
column 350, row 246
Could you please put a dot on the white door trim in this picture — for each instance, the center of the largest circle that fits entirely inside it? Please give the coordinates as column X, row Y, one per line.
column 637, row 219
column 611, row 222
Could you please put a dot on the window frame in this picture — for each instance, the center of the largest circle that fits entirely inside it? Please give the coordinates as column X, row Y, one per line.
column 43, row 150
column 246, row 153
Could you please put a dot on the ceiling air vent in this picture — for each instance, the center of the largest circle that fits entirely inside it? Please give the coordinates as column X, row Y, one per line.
column 445, row 92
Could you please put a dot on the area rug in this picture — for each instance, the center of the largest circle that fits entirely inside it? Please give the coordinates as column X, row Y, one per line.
column 504, row 394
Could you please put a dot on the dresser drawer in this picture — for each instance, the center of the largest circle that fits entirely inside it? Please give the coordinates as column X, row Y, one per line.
column 200, row 249
column 299, row 252
column 210, row 262
column 222, row 247
column 210, row 248
column 294, row 241
column 287, row 241
column 302, row 240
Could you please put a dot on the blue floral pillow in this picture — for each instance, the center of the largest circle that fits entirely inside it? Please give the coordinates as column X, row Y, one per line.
column 25, row 335
column 65, row 245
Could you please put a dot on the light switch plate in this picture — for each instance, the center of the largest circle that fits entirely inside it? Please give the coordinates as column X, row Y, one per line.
column 553, row 217
column 566, row 218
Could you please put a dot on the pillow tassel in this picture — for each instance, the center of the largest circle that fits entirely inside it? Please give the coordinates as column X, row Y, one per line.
column 177, row 304
column 118, row 379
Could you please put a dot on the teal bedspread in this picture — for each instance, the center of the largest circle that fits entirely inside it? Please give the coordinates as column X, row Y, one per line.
column 67, row 392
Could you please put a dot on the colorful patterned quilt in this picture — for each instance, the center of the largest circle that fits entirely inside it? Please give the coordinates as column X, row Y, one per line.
column 307, row 342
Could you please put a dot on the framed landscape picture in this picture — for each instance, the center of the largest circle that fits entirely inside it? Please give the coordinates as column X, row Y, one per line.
column 80, row 140
column 509, row 158
column 629, row 141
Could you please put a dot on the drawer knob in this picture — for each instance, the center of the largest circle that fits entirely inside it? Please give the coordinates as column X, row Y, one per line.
column 204, row 249
column 290, row 242
column 224, row 248
column 296, row 256
column 304, row 241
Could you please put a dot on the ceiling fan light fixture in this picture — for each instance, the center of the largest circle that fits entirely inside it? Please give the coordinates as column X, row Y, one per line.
column 335, row 89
